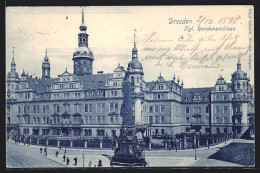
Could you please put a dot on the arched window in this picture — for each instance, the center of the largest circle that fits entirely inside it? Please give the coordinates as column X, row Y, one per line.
column 132, row 81
column 137, row 80
column 238, row 85
column 244, row 85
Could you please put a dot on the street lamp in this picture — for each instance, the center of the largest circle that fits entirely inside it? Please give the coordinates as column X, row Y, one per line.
column 195, row 145
column 83, row 154
column 46, row 148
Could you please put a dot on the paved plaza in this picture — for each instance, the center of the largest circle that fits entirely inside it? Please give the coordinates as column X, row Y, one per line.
column 20, row 155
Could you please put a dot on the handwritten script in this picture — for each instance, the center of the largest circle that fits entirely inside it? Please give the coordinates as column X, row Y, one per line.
column 190, row 51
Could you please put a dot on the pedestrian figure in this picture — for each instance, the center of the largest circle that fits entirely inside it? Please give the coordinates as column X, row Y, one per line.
column 65, row 150
column 64, row 157
column 76, row 160
column 57, row 153
column 45, row 149
column 68, row 161
column 46, row 152
column 90, row 163
column 40, row 150
column 99, row 163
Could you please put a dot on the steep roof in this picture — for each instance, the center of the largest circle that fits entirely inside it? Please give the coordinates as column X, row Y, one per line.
column 94, row 82
column 191, row 92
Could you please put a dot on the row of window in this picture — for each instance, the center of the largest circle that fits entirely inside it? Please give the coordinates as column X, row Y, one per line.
column 101, row 107
column 74, row 120
column 219, row 109
column 152, row 109
column 153, row 119
column 196, row 110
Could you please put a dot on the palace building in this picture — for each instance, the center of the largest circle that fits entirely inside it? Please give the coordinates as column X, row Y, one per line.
column 85, row 105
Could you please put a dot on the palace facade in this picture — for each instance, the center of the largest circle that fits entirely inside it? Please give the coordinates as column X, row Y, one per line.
column 86, row 105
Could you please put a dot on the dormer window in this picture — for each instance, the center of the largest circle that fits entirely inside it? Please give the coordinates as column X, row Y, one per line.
column 160, row 87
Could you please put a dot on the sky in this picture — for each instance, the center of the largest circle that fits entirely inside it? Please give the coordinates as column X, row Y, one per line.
column 31, row 30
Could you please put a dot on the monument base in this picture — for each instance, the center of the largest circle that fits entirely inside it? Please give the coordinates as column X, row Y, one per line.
column 127, row 161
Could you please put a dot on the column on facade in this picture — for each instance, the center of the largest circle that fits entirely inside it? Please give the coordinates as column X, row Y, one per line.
column 71, row 144
column 86, row 144
column 184, row 142
column 30, row 131
column 58, row 144
column 40, row 131
column 100, row 144
column 150, row 145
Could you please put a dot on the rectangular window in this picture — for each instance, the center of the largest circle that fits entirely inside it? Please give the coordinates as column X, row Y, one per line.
column 98, row 107
column 19, row 109
column 38, row 108
column 217, row 109
column 150, row 119
column 58, row 108
column 162, row 131
column 187, row 119
column 116, row 120
column 187, row 110
column 156, row 119
column 162, row 108
column 217, row 120
column 43, row 108
column 151, row 109
column 196, row 110
column 90, row 120
column 162, row 119
column 111, row 120
column 225, row 109
column 75, row 108
column 47, row 108
column 34, row 108
column 225, row 97
column 156, row 131
column 98, row 119
column 116, row 107
column 103, row 107
column 156, row 108
column 88, row 107
column 111, row 107
column 103, row 120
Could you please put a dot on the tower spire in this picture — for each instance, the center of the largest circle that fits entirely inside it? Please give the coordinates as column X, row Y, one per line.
column 13, row 53
column 134, row 38
column 83, row 15
column 46, row 52
column 238, row 62
column 13, row 63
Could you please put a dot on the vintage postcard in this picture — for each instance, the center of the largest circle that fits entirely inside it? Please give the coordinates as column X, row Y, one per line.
column 130, row 86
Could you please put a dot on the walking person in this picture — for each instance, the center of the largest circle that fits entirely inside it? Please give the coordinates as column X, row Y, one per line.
column 99, row 163
column 90, row 164
column 68, row 161
column 64, row 157
column 40, row 150
column 76, row 160
column 56, row 153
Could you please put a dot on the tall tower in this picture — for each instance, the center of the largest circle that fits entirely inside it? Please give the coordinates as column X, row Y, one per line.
column 83, row 56
column 12, row 80
column 134, row 75
column 240, row 84
column 46, row 68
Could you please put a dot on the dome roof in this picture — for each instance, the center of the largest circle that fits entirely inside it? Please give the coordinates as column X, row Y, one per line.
column 134, row 49
column 12, row 74
column 239, row 74
column 135, row 64
column 13, row 63
column 46, row 59
column 83, row 52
